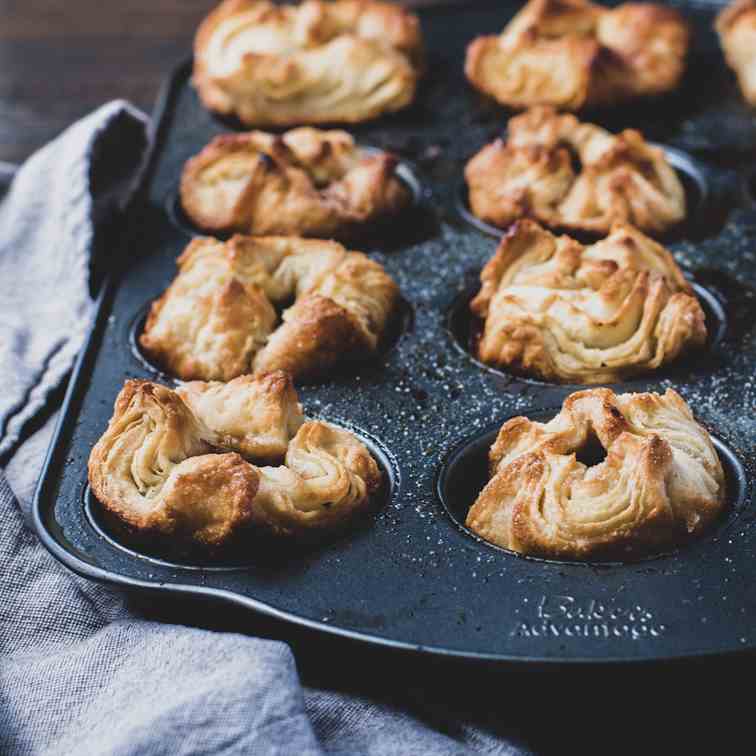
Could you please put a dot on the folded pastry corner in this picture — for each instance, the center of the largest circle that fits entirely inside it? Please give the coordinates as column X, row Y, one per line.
column 574, row 53
column 305, row 182
column 152, row 468
column 315, row 62
column 573, row 175
column 183, row 464
column 217, row 319
column 736, row 26
column 661, row 481
column 328, row 474
column 561, row 311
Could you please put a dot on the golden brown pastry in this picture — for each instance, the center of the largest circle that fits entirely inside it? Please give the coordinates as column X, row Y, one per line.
column 180, row 463
column 555, row 309
column 305, row 182
column 573, row 175
column 315, row 62
column 736, row 26
column 660, row 483
column 217, row 319
column 253, row 415
column 573, row 53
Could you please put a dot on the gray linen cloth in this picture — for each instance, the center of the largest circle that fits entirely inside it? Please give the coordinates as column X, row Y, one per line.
column 85, row 668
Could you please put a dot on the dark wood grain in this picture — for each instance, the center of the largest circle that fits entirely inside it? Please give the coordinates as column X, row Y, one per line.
column 60, row 60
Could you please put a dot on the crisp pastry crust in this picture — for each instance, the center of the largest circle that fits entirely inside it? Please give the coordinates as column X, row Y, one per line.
column 217, row 319
column 253, row 415
column 305, row 182
column 660, row 483
column 573, row 175
column 315, row 62
column 180, row 463
column 736, row 26
column 555, row 309
column 573, row 53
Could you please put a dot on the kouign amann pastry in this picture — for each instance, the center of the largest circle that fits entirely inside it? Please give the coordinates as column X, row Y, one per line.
column 315, row 62
column 661, row 481
column 736, row 26
column 186, row 464
column 573, row 175
column 217, row 319
column 561, row 311
column 573, row 54
column 305, row 182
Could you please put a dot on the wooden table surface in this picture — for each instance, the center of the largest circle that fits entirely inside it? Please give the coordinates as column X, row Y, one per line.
column 60, row 60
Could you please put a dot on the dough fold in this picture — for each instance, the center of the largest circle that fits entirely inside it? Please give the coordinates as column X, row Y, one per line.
column 661, row 481
column 183, row 464
column 305, row 182
column 573, row 175
column 736, row 26
column 557, row 310
column 344, row 61
column 574, row 53
column 217, row 319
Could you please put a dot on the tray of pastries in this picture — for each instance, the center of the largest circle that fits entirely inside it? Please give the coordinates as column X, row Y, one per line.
column 435, row 329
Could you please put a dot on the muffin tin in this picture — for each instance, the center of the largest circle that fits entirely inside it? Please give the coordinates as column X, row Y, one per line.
column 410, row 575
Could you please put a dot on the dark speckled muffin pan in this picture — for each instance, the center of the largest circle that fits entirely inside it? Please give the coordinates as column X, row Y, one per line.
column 409, row 575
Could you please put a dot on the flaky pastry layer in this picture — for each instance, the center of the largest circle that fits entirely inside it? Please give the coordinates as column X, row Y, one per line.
column 574, row 53
column 217, row 319
column 186, row 464
column 736, row 26
column 558, row 310
column 306, row 182
column 573, row 175
column 660, row 483
column 315, row 62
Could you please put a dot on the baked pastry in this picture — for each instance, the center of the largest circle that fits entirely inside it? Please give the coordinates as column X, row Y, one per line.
column 181, row 463
column 573, row 175
column 217, row 319
column 573, row 54
column 305, row 182
column 316, row 62
column 661, row 481
column 736, row 26
column 555, row 309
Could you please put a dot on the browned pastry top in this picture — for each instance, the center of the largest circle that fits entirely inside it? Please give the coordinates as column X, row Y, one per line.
column 321, row 61
column 736, row 25
column 573, row 53
column 186, row 463
column 573, row 175
column 558, row 310
column 306, row 182
column 660, row 483
column 217, row 319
